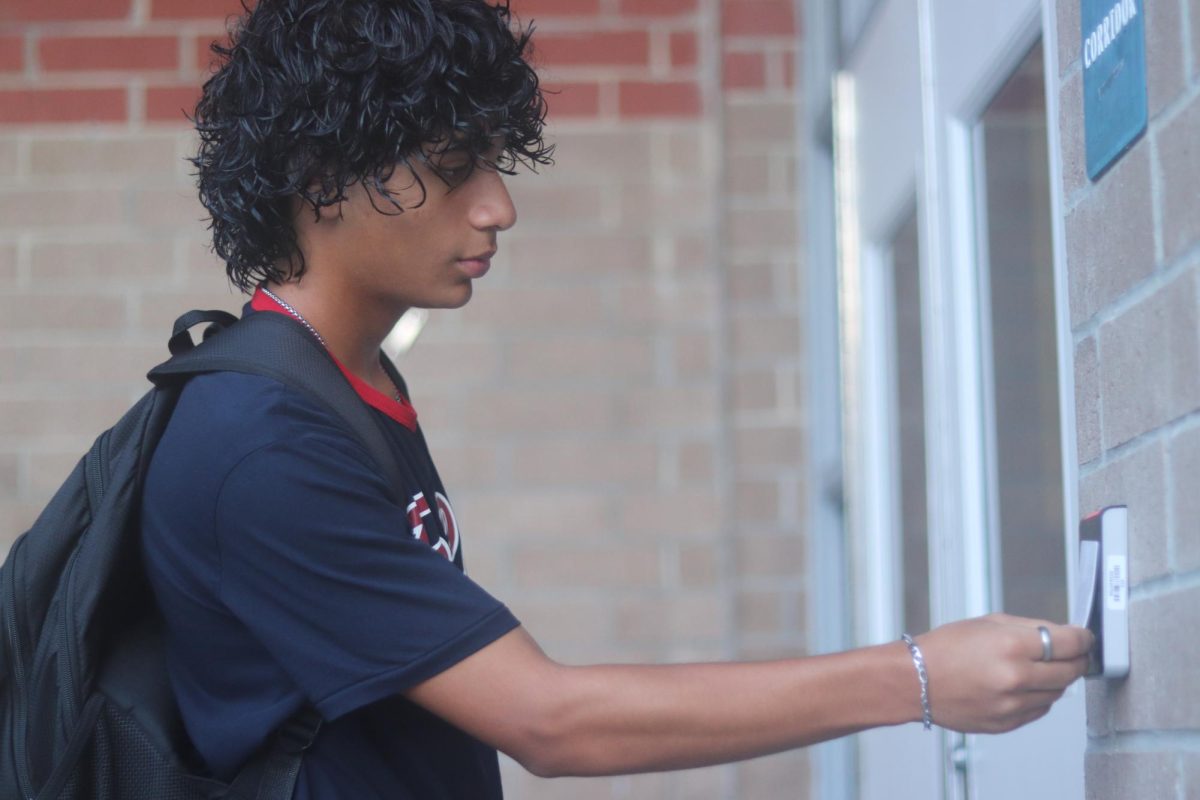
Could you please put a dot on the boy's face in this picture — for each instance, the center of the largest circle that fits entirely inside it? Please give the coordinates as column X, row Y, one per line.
column 426, row 256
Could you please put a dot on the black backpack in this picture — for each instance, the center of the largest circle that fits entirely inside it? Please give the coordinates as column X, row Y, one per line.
column 86, row 711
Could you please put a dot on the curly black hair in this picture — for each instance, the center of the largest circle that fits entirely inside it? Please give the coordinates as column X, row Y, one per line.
column 313, row 96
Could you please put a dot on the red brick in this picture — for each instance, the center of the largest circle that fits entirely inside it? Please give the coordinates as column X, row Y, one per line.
column 60, row 10
column 596, row 47
column 662, row 99
column 62, row 105
column 743, row 71
column 527, row 9
column 758, row 18
column 573, row 99
column 169, row 103
column 194, row 9
column 683, row 49
column 109, row 52
column 12, row 53
column 658, row 8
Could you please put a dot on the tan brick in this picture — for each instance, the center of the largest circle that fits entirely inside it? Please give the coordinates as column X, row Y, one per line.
column 78, row 364
column 620, row 359
column 1087, row 401
column 755, row 390
column 764, row 228
column 699, row 564
column 602, row 156
column 685, row 513
column 1122, row 776
column 1161, row 692
column 689, row 154
column 585, row 462
column 1139, row 481
column 1150, row 370
column 669, row 408
column 667, row 305
column 8, row 264
column 770, row 446
column 177, row 207
column 585, row 257
column 126, row 156
column 462, row 363
column 772, row 556
column 756, row 501
column 551, row 204
column 51, row 208
column 656, row 207
column 1070, row 43
column 8, row 157
column 752, row 283
column 583, row 567
column 564, row 619
column 138, row 261
column 748, row 174
column 1165, row 79
column 758, row 611
column 465, row 465
column 1104, row 260
column 693, row 355
column 757, row 122
column 765, row 337
column 697, row 463
column 61, row 312
column 1184, row 466
column 1074, row 148
column 778, row 776
column 539, row 411
column 525, row 513
column 62, row 417
column 527, row 308
column 1179, row 166
column 9, row 475
column 675, row 617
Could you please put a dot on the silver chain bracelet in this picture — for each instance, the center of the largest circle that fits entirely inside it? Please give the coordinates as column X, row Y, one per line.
column 923, row 677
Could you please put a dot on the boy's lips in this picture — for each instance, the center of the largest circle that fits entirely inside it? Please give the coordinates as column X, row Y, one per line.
column 476, row 266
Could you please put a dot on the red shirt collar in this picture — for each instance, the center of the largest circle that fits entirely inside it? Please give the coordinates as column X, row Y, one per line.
column 398, row 407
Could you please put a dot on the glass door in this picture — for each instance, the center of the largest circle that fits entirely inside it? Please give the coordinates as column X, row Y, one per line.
column 882, row 262
column 957, row 412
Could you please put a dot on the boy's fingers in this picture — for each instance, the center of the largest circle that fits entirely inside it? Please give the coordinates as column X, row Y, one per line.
column 1068, row 642
column 1057, row 675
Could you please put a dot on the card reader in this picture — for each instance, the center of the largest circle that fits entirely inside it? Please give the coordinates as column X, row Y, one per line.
column 1102, row 591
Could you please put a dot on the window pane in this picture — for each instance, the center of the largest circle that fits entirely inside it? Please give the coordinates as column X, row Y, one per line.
column 1024, row 376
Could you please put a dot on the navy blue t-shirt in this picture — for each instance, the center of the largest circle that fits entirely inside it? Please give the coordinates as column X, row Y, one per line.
column 287, row 576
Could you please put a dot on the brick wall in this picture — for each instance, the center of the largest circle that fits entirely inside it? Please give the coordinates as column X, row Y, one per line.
column 617, row 411
column 1133, row 241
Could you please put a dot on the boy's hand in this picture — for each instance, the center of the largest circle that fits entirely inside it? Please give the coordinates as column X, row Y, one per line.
column 986, row 675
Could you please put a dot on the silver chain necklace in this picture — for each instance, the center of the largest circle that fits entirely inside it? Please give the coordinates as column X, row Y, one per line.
column 299, row 317
column 397, row 395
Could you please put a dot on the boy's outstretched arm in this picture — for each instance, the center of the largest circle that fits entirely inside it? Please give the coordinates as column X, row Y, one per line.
column 985, row 675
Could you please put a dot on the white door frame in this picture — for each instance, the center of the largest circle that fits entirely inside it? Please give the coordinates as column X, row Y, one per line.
column 991, row 38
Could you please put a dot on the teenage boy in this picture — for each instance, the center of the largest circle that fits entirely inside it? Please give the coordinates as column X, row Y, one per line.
column 351, row 158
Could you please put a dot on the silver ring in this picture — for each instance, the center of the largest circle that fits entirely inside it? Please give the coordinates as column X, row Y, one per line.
column 1047, row 648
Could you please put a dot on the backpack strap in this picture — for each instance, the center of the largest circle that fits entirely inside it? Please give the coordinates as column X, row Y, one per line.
column 277, row 346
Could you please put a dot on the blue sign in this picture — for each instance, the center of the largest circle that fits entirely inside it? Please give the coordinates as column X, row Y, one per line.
column 1114, row 78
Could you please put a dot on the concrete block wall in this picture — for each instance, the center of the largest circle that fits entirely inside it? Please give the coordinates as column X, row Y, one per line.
column 617, row 411
column 1133, row 243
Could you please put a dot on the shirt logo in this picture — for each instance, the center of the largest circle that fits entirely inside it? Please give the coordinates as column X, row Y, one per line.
column 418, row 510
